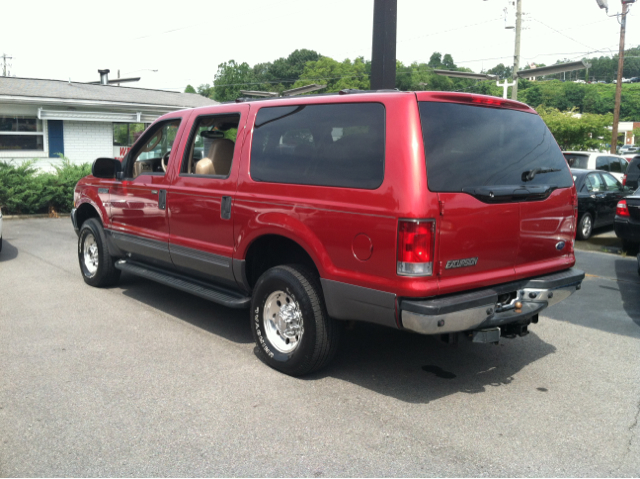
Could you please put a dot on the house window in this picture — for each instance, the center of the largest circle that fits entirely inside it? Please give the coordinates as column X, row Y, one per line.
column 124, row 136
column 21, row 133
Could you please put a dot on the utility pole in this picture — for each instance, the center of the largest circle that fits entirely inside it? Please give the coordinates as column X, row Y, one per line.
column 5, row 71
column 516, row 56
column 383, row 54
column 616, row 110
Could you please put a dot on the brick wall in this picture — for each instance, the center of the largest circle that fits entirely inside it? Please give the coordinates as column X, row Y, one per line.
column 84, row 141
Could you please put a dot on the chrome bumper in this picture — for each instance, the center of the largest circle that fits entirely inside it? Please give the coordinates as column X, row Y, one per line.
column 480, row 309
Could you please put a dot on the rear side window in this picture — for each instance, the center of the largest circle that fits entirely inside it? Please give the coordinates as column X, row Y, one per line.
column 615, row 166
column 602, row 163
column 330, row 145
column 470, row 146
column 577, row 161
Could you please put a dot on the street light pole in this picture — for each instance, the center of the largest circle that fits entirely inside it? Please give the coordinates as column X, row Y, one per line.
column 616, row 110
column 516, row 56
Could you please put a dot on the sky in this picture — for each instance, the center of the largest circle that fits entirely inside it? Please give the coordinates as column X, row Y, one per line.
column 172, row 44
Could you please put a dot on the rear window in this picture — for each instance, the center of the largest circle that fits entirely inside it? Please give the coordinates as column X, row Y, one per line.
column 329, row 145
column 577, row 161
column 470, row 146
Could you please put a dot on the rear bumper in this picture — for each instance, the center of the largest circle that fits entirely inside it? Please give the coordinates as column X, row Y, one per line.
column 627, row 229
column 480, row 309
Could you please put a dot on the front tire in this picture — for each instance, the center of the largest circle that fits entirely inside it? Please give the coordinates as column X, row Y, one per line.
column 96, row 264
column 585, row 227
column 289, row 320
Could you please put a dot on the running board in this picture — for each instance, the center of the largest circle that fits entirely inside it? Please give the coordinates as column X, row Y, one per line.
column 226, row 297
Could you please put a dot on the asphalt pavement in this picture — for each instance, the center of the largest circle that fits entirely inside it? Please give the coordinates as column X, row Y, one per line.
column 143, row 380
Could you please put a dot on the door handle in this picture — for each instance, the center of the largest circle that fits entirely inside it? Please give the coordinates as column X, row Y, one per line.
column 162, row 200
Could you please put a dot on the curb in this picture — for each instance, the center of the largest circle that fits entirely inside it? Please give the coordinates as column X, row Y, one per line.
column 28, row 217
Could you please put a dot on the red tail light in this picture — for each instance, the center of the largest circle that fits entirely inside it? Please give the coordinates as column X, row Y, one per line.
column 621, row 208
column 415, row 247
column 624, row 180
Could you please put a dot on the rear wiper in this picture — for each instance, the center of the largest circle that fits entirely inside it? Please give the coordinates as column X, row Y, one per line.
column 531, row 174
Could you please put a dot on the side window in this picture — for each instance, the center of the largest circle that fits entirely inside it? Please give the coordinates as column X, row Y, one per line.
column 602, row 163
column 615, row 165
column 588, row 184
column 211, row 146
column 341, row 145
column 612, row 183
column 597, row 183
column 151, row 156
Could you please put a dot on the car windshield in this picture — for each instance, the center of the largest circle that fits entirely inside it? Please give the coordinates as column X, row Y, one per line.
column 577, row 161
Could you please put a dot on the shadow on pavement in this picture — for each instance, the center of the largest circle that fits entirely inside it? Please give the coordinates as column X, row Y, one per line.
column 8, row 252
column 231, row 324
column 420, row 369
column 409, row 367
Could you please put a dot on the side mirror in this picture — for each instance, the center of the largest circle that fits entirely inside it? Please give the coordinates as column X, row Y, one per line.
column 107, row 168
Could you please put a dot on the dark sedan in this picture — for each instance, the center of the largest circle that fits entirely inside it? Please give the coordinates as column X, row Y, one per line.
column 627, row 220
column 598, row 195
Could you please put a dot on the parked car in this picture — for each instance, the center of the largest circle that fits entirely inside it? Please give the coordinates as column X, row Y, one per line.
column 598, row 195
column 632, row 174
column 438, row 213
column 627, row 220
column 586, row 160
column 626, row 149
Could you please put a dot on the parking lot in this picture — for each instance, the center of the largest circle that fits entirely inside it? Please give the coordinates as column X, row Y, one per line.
column 144, row 380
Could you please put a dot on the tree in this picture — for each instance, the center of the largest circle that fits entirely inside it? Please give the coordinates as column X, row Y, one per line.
column 435, row 61
column 574, row 131
column 336, row 75
column 189, row 89
column 230, row 78
column 501, row 71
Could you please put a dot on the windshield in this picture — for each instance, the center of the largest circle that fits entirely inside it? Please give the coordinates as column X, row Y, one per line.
column 471, row 146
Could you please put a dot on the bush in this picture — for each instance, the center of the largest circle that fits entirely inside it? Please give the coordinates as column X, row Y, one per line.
column 26, row 190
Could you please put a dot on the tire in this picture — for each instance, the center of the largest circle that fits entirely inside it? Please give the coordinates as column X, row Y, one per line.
column 96, row 264
column 585, row 227
column 289, row 320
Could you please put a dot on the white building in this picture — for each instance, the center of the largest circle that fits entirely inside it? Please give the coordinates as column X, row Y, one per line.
column 41, row 119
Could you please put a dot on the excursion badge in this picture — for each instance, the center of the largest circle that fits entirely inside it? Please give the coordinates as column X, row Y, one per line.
column 461, row 263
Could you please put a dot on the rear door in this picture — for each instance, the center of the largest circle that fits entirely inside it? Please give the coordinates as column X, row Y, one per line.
column 505, row 192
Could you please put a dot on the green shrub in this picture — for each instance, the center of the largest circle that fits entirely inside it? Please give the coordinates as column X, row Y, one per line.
column 26, row 190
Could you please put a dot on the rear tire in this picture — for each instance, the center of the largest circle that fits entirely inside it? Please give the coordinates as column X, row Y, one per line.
column 289, row 321
column 585, row 227
column 96, row 264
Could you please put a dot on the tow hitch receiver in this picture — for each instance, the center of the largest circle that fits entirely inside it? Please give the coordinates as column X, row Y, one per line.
column 486, row 336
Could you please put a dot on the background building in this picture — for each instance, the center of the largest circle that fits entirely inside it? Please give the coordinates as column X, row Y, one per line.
column 41, row 119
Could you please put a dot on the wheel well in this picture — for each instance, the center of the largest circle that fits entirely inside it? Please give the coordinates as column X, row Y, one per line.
column 272, row 250
column 84, row 212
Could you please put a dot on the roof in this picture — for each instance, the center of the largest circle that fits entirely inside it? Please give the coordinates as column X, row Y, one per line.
column 59, row 89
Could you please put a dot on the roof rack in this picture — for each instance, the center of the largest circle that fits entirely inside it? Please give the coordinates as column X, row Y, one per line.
column 346, row 91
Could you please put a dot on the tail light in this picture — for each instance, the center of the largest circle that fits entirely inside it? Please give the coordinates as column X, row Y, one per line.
column 621, row 208
column 416, row 240
column 624, row 180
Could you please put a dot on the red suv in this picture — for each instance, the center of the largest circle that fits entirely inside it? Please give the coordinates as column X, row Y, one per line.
column 439, row 213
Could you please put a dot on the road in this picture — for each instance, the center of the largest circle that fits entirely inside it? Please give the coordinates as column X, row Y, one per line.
column 142, row 380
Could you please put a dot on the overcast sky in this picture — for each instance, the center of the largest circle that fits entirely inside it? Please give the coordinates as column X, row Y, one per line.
column 186, row 40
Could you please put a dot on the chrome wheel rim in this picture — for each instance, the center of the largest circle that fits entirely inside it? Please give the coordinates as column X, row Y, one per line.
column 586, row 226
column 282, row 322
column 90, row 254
